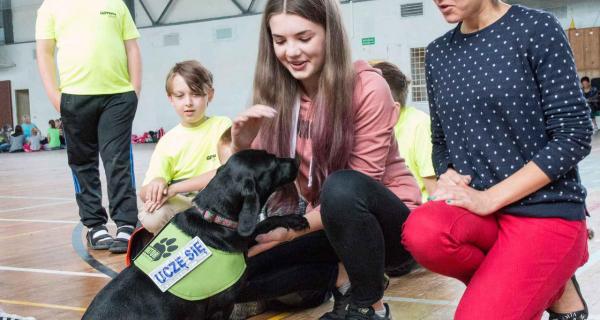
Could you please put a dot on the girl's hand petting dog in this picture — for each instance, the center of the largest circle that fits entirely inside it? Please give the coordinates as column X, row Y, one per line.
column 246, row 126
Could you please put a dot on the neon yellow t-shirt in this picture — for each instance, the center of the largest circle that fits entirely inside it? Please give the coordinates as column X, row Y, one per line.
column 90, row 37
column 413, row 132
column 183, row 153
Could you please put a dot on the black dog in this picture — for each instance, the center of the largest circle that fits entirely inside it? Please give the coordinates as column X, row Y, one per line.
column 236, row 194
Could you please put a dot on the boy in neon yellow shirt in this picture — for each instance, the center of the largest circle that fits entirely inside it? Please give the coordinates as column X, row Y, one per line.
column 413, row 131
column 191, row 149
column 94, row 44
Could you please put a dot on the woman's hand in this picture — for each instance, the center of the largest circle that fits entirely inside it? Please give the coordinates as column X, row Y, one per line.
column 478, row 202
column 271, row 239
column 246, row 126
column 453, row 178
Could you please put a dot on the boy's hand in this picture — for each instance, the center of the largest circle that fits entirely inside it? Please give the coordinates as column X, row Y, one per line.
column 154, row 191
column 168, row 193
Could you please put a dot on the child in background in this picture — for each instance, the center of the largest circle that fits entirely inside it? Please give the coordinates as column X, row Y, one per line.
column 53, row 137
column 27, row 126
column 17, row 139
column 59, row 126
column 5, row 138
column 188, row 150
column 34, row 140
column 413, row 130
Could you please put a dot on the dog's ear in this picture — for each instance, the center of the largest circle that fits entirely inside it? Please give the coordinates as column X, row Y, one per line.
column 250, row 208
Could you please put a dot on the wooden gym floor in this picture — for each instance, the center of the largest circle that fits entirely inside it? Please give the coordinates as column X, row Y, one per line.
column 47, row 272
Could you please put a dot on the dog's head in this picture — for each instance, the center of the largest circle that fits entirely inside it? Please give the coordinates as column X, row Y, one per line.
column 243, row 184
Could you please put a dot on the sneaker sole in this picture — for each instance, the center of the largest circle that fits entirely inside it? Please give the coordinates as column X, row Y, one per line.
column 118, row 248
column 100, row 246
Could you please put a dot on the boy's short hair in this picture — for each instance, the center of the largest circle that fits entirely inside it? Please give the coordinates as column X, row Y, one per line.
column 397, row 81
column 196, row 76
column 585, row 79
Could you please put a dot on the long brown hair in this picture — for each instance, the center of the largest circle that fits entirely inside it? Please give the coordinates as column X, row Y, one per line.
column 332, row 117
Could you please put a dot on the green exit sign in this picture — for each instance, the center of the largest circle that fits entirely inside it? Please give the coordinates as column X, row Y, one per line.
column 368, row 41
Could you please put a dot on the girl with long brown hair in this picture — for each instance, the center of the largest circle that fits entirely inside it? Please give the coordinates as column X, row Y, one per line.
column 337, row 119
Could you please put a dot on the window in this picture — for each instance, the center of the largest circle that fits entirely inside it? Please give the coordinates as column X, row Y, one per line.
column 411, row 9
column 417, row 71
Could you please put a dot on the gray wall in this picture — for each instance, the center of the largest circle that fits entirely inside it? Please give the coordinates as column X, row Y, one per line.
column 231, row 60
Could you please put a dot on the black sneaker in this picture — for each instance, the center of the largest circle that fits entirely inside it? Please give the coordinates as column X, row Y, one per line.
column 340, row 306
column 98, row 238
column 341, row 302
column 357, row 313
column 246, row 310
column 121, row 241
column 402, row 269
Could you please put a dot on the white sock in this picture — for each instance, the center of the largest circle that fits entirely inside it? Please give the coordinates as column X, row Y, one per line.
column 124, row 236
column 381, row 313
column 99, row 233
column 344, row 288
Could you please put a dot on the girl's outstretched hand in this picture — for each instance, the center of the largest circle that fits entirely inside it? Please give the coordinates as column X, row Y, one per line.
column 247, row 124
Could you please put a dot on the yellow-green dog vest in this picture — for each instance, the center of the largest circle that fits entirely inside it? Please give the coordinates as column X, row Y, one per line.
column 186, row 267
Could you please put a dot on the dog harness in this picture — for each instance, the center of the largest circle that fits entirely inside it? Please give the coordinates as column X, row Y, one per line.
column 188, row 268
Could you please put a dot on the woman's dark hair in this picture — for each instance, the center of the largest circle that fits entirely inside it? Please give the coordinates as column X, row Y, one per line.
column 52, row 124
column 18, row 131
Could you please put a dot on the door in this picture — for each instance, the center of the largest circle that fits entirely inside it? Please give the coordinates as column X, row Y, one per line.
column 6, row 115
column 22, row 97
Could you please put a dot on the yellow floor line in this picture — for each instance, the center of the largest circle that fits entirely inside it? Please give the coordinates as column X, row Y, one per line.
column 280, row 316
column 42, row 305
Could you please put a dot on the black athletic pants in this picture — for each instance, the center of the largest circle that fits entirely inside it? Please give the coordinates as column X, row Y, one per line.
column 363, row 223
column 101, row 124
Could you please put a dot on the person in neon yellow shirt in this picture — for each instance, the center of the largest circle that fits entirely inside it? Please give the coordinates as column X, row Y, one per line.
column 99, row 67
column 191, row 149
column 413, row 130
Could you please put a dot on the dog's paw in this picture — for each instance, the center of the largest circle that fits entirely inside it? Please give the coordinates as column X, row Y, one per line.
column 163, row 249
column 292, row 221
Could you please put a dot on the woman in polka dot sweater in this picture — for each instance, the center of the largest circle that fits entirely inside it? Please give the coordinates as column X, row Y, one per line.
column 509, row 125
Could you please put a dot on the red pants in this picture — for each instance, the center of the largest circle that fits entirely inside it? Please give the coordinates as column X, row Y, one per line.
column 514, row 267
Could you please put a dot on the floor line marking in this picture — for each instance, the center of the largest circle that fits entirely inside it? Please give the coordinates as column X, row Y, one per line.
column 47, row 271
column 36, row 206
column 29, row 233
column 38, row 220
column 47, row 221
column 422, row 301
column 37, row 198
column 43, row 305
column 82, row 252
column 280, row 316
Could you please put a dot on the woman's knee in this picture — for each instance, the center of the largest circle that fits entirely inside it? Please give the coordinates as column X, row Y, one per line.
column 424, row 231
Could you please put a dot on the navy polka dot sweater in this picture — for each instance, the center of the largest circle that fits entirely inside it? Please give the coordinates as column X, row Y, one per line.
column 506, row 95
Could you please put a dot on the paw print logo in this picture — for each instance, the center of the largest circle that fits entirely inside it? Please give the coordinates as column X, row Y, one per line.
column 162, row 249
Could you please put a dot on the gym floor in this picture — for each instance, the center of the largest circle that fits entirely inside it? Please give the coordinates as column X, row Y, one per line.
column 46, row 271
